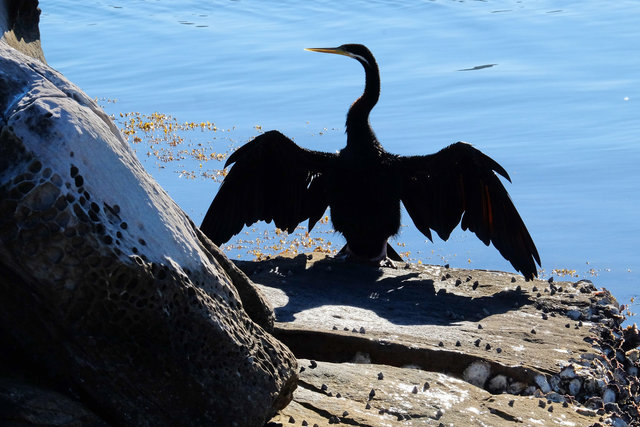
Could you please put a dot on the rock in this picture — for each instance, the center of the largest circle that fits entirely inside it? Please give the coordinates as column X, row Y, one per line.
column 477, row 373
column 618, row 422
column 574, row 386
column 631, row 337
column 608, row 395
column 407, row 318
column 568, row 372
column 407, row 313
column 555, row 397
column 449, row 400
column 516, row 387
column 23, row 403
column 19, row 24
column 107, row 288
column 574, row 314
column 498, row 384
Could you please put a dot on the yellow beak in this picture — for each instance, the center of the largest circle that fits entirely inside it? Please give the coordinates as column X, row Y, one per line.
column 336, row 50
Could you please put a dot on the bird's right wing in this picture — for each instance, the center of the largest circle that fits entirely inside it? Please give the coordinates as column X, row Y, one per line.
column 272, row 179
column 459, row 184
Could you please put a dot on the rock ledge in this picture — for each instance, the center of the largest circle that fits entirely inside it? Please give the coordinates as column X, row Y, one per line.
column 424, row 344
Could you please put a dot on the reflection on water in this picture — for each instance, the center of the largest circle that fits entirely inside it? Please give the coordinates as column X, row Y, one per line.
column 552, row 97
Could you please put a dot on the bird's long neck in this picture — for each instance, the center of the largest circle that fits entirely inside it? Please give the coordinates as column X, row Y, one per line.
column 359, row 132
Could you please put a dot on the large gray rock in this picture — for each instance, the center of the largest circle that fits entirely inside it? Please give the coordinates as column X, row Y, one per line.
column 106, row 286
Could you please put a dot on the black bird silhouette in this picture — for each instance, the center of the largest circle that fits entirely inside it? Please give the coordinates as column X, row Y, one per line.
column 272, row 178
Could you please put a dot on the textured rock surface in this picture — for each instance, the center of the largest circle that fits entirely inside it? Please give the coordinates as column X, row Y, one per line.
column 480, row 339
column 409, row 396
column 19, row 26
column 106, row 285
column 24, row 404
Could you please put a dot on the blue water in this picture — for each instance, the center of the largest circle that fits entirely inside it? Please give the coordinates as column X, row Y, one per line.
column 559, row 109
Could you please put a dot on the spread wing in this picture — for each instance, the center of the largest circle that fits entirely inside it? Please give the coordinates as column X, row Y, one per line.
column 272, row 179
column 461, row 182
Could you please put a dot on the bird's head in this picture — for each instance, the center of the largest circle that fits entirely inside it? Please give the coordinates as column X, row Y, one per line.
column 358, row 115
column 355, row 51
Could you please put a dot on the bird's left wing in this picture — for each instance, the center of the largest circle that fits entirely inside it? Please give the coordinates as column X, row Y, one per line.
column 460, row 182
column 272, row 178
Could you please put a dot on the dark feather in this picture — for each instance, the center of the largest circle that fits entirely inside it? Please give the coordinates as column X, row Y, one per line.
column 271, row 179
column 460, row 183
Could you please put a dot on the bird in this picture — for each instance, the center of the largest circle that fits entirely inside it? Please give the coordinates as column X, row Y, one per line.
column 273, row 179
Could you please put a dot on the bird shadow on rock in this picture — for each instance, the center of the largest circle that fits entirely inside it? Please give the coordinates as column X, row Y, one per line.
column 400, row 296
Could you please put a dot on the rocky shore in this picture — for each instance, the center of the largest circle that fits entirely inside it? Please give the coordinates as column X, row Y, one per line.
column 430, row 345
column 115, row 309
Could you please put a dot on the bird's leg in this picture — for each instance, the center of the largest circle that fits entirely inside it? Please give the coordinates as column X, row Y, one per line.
column 343, row 253
column 383, row 254
column 347, row 253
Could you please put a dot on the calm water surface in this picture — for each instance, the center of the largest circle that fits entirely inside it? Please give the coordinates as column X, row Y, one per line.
column 558, row 108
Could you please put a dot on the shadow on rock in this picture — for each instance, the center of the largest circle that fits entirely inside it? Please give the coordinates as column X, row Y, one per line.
column 402, row 296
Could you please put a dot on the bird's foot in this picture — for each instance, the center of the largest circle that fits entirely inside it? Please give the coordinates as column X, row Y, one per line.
column 342, row 255
column 381, row 260
column 389, row 263
column 385, row 259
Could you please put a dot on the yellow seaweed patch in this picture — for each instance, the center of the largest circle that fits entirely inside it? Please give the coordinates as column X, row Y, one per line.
column 168, row 140
column 564, row 272
column 279, row 242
